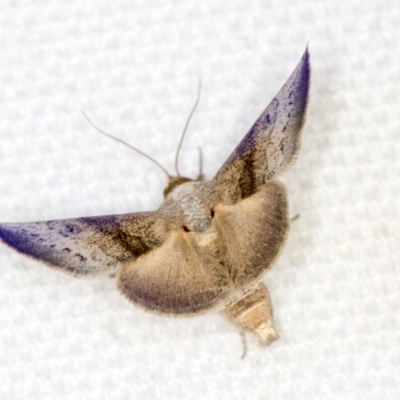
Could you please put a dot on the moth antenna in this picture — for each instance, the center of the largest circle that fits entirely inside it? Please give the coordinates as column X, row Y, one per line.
column 200, row 177
column 127, row 145
column 186, row 126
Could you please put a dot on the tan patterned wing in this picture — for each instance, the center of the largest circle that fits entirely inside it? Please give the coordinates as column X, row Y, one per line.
column 176, row 278
column 272, row 143
column 83, row 246
column 252, row 232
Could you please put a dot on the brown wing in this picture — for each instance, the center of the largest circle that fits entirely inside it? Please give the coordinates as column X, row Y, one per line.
column 252, row 232
column 83, row 246
column 272, row 143
column 176, row 278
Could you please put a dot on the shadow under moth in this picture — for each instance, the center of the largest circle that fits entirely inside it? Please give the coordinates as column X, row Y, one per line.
column 209, row 243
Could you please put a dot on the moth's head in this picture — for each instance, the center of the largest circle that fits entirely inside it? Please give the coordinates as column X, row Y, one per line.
column 175, row 181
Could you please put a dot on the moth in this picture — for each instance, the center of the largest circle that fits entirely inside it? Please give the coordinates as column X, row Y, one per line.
column 209, row 243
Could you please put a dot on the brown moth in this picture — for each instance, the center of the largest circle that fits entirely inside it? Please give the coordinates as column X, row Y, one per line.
column 209, row 243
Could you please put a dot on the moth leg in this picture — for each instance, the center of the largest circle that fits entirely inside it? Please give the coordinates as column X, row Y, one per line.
column 253, row 313
column 296, row 217
column 244, row 343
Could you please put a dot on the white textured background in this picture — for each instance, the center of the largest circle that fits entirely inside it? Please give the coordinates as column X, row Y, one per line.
column 133, row 67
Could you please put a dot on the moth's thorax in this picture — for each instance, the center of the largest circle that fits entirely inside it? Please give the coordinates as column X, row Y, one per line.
column 188, row 205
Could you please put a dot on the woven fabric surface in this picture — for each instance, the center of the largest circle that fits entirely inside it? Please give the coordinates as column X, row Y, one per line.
column 133, row 67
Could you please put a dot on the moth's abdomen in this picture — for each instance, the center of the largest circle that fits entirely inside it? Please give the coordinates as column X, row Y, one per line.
column 253, row 313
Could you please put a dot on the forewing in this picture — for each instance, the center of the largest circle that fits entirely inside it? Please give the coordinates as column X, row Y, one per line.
column 252, row 232
column 176, row 278
column 273, row 141
column 83, row 246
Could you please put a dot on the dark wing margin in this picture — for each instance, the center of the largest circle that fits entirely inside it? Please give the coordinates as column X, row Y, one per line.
column 83, row 246
column 272, row 143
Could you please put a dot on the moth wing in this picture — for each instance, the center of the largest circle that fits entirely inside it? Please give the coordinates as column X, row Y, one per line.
column 273, row 141
column 252, row 232
column 177, row 278
column 83, row 246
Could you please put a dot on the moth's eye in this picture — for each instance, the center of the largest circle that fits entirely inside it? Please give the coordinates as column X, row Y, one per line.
column 185, row 228
column 212, row 212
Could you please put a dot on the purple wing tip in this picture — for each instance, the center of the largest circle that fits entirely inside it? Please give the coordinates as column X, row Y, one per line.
column 295, row 90
column 17, row 241
column 293, row 96
column 5, row 236
column 303, row 69
column 294, row 93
